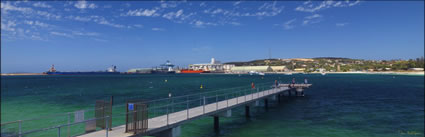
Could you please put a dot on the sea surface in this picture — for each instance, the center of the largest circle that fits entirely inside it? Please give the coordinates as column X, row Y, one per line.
column 336, row 105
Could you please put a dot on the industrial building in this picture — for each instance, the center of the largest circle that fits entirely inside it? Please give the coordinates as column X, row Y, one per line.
column 246, row 69
column 279, row 68
column 140, row 70
column 213, row 66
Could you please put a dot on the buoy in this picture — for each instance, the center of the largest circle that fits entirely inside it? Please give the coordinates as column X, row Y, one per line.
column 252, row 85
column 201, row 86
column 165, row 80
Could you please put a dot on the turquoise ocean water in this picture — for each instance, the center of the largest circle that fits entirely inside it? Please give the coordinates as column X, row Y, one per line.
column 336, row 105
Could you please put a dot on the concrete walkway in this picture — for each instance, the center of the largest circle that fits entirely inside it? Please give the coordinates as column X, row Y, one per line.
column 188, row 114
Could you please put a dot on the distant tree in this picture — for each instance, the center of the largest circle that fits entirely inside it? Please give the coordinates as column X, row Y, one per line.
column 420, row 62
column 400, row 65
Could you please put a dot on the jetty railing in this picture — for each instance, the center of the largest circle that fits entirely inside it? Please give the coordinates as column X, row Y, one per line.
column 66, row 124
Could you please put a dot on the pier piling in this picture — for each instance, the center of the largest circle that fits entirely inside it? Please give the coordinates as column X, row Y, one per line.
column 216, row 124
column 278, row 98
column 247, row 113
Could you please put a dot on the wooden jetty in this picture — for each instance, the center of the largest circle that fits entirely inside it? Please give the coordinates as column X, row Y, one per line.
column 169, row 125
column 161, row 121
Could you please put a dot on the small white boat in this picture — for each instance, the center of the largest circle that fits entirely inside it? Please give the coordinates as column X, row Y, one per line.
column 323, row 73
column 256, row 73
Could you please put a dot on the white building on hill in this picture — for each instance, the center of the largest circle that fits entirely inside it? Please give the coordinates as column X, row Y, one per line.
column 213, row 66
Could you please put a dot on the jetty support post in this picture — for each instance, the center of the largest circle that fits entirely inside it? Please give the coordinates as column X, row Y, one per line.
column 216, row 124
column 302, row 92
column 278, row 97
column 274, row 97
column 289, row 92
column 247, row 113
column 257, row 103
column 266, row 103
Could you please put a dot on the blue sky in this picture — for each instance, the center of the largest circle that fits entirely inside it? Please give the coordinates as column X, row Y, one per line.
column 90, row 35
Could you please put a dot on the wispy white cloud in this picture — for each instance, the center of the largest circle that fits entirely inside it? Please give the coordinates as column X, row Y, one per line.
column 235, row 23
column 341, row 24
column 202, row 4
column 61, row 34
column 316, row 6
column 127, row 5
column 8, row 26
column 218, row 16
column 172, row 15
column 74, row 33
column 307, row 22
column 37, row 37
column 216, row 11
column 353, row 3
column 12, row 30
column 202, row 24
column 267, row 9
column 78, row 33
column 48, row 15
column 168, row 4
column 272, row 8
column 178, row 16
column 105, row 22
column 158, row 29
column 6, row 6
column 315, row 18
column 100, row 40
column 36, row 23
column 41, row 5
column 79, row 18
column 96, row 19
column 237, row 3
column 138, row 25
column 289, row 24
column 82, row 4
column 107, row 6
column 142, row 12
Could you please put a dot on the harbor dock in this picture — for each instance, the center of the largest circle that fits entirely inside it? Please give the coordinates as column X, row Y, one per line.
column 164, row 117
column 169, row 125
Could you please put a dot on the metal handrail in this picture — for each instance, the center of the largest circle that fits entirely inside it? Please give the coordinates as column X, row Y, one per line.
column 195, row 99
column 241, row 89
column 67, row 113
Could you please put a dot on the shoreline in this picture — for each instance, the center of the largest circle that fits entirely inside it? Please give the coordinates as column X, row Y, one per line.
column 21, row 74
column 417, row 73
column 420, row 73
column 384, row 73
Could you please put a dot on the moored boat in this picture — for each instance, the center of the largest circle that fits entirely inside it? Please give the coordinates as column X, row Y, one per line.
column 193, row 71
column 166, row 68
column 111, row 70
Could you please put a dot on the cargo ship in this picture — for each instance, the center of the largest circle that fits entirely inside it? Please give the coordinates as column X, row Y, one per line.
column 111, row 70
column 193, row 71
column 166, row 68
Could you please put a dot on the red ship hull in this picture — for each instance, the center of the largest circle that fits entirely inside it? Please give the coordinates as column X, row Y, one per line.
column 191, row 71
